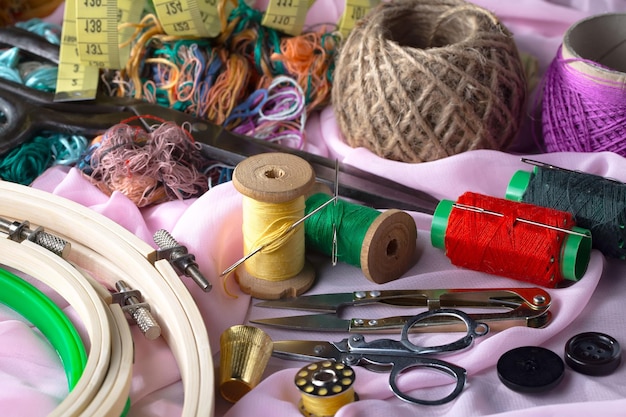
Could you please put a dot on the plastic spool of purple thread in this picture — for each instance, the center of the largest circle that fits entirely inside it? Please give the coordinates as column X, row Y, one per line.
column 584, row 93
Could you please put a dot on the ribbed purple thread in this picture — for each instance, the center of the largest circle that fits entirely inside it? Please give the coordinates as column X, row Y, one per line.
column 582, row 113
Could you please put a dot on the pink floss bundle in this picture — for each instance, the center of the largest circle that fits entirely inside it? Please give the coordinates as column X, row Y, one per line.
column 148, row 167
column 584, row 92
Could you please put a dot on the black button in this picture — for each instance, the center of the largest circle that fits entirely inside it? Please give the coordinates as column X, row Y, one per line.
column 593, row 353
column 530, row 369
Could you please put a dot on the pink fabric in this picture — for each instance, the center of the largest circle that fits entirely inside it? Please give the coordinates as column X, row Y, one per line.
column 32, row 381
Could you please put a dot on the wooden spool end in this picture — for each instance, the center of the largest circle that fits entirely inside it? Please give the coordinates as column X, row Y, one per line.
column 274, row 178
column 273, row 290
column 388, row 249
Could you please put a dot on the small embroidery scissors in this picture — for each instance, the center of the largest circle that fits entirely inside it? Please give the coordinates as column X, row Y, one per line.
column 522, row 307
column 26, row 111
column 395, row 356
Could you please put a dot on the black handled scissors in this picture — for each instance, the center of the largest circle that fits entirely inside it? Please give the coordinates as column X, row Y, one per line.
column 400, row 356
column 26, row 111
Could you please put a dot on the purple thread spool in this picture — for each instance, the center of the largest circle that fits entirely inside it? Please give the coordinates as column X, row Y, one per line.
column 584, row 95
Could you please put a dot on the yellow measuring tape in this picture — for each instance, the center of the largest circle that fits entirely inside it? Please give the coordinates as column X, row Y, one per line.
column 355, row 10
column 75, row 80
column 101, row 43
column 188, row 17
column 287, row 16
column 92, row 39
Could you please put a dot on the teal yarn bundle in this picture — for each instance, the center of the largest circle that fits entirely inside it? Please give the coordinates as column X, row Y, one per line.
column 381, row 244
column 597, row 203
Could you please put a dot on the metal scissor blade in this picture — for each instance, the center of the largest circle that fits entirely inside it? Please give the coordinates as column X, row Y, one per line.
column 319, row 302
column 306, row 350
column 313, row 322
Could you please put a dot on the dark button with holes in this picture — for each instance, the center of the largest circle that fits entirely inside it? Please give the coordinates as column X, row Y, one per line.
column 593, row 353
column 530, row 369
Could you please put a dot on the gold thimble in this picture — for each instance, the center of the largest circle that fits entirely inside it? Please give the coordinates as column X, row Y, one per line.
column 245, row 351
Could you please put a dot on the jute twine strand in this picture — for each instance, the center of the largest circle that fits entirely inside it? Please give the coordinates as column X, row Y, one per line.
column 417, row 81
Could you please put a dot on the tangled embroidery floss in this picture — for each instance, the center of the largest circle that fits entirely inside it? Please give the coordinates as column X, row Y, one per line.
column 381, row 244
column 309, row 58
column 148, row 167
column 584, row 94
column 517, row 240
column 421, row 80
column 278, row 115
column 597, row 203
column 273, row 186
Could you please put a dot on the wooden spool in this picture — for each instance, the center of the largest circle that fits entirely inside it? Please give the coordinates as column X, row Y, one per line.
column 275, row 178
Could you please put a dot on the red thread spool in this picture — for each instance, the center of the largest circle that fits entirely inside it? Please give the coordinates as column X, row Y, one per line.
column 511, row 239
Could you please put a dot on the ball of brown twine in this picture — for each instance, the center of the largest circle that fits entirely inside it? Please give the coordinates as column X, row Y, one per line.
column 419, row 80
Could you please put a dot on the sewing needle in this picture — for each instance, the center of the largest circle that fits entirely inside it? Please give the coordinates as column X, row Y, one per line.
column 519, row 219
column 263, row 246
column 334, row 247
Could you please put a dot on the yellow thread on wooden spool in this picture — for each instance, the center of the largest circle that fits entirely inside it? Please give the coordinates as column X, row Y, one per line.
column 273, row 186
column 267, row 224
column 326, row 386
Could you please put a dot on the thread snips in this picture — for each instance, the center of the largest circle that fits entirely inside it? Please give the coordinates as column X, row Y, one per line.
column 515, row 307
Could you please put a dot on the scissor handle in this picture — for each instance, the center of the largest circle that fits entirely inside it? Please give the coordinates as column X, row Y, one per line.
column 28, row 111
column 474, row 329
column 403, row 355
column 401, row 365
column 14, row 128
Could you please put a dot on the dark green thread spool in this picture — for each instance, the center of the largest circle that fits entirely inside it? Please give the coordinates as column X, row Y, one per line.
column 597, row 203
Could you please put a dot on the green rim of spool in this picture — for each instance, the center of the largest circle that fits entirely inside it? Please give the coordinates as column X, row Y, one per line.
column 44, row 314
column 440, row 223
column 518, row 185
column 575, row 254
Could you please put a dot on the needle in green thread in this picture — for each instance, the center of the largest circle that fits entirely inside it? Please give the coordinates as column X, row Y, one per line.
column 336, row 196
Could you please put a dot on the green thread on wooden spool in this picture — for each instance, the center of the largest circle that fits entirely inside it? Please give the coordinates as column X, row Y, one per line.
column 381, row 244
column 352, row 223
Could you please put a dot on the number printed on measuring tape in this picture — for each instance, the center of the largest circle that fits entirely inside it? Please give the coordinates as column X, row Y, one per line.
column 355, row 10
column 103, row 41
column 97, row 33
column 287, row 16
column 75, row 80
column 196, row 18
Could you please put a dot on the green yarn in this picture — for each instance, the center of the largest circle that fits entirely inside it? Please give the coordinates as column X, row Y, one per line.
column 352, row 222
column 26, row 162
